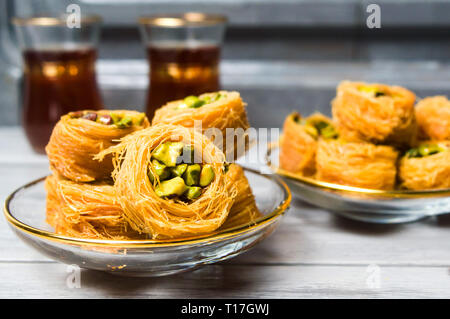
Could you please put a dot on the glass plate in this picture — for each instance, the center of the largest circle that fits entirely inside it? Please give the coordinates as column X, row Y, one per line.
column 25, row 212
column 368, row 205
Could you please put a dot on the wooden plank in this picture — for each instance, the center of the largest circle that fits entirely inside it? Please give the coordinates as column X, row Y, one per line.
column 48, row 280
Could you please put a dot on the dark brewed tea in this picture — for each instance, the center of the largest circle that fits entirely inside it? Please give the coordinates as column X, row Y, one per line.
column 56, row 82
column 179, row 70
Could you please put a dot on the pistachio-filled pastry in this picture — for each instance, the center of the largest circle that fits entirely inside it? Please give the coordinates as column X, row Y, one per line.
column 244, row 210
column 79, row 136
column 220, row 110
column 298, row 143
column 83, row 210
column 170, row 181
column 356, row 164
column 433, row 118
column 374, row 113
column 426, row 167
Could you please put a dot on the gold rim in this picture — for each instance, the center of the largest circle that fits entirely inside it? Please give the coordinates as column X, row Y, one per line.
column 189, row 19
column 209, row 238
column 350, row 189
column 52, row 21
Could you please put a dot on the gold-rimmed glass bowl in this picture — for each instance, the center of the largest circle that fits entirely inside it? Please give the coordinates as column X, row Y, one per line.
column 368, row 205
column 25, row 212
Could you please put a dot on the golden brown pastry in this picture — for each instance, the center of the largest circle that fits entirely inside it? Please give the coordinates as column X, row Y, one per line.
column 244, row 210
column 219, row 110
column 85, row 210
column 433, row 118
column 298, row 143
column 374, row 113
column 170, row 182
column 356, row 164
column 79, row 136
column 426, row 167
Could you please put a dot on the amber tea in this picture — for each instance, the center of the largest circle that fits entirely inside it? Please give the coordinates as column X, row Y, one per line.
column 56, row 81
column 179, row 70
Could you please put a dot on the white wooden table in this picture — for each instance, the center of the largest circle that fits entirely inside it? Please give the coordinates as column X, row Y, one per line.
column 313, row 254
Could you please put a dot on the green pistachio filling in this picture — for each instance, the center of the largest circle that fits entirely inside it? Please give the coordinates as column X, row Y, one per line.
column 171, row 187
column 424, row 150
column 194, row 102
column 110, row 119
column 168, row 153
column 179, row 170
column 172, row 164
column 206, row 176
column 317, row 128
column 193, row 192
column 371, row 90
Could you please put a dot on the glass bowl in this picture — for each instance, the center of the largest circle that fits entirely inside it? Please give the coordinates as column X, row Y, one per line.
column 25, row 212
column 362, row 204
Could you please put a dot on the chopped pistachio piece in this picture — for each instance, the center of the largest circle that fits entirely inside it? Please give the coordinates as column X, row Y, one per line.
column 125, row 122
column 192, row 174
column 318, row 124
column 212, row 98
column 168, row 153
column 160, row 152
column 175, row 150
column 187, row 156
column 151, row 177
column 329, row 132
column 207, row 99
column 193, row 192
column 429, row 149
column 207, row 175
column 372, row 90
column 161, row 170
column 424, row 150
column 219, row 97
column 319, row 127
column 171, row 187
column 368, row 89
column 179, row 169
column 311, row 130
column 115, row 117
column 193, row 102
column 414, row 152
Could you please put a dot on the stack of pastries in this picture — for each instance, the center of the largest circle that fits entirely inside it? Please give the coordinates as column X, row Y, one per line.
column 115, row 176
column 377, row 138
